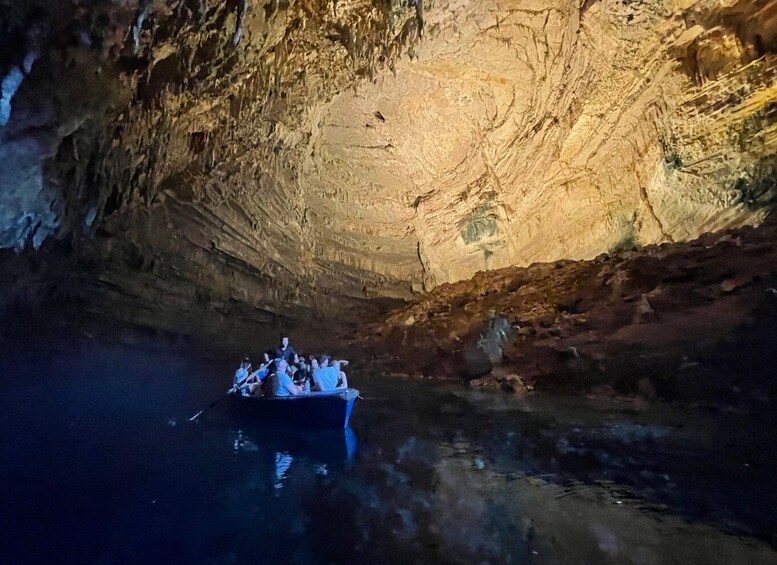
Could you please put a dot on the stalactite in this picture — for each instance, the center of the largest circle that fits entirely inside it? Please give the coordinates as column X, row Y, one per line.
column 199, row 10
column 242, row 10
column 419, row 16
column 144, row 9
column 10, row 84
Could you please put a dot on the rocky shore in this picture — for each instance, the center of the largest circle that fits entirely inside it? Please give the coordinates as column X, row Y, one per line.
column 691, row 322
column 687, row 321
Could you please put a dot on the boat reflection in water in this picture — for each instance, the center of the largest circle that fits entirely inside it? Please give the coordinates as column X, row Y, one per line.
column 323, row 451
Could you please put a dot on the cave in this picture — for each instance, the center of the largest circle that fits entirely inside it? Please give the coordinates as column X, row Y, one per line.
column 540, row 231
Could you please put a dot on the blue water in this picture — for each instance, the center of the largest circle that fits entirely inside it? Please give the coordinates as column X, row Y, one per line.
column 101, row 465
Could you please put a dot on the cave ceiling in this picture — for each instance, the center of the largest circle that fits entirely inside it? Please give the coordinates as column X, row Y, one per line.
column 296, row 154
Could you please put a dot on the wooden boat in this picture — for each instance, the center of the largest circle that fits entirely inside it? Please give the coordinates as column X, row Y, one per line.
column 329, row 409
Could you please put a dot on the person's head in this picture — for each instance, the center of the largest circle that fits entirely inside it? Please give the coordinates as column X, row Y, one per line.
column 283, row 366
column 314, row 364
column 324, row 361
column 266, row 357
column 284, row 340
column 245, row 363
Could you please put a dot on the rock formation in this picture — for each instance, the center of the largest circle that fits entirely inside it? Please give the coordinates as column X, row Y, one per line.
column 683, row 321
column 297, row 157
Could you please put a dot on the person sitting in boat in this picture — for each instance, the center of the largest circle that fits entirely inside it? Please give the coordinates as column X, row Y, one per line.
column 292, row 371
column 285, row 351
column 329, row 376
column 302, row 373
column 249, row 383
column 242, row 373
column 283, row 384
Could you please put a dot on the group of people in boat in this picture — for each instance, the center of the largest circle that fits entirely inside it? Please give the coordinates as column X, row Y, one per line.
column 284, row 372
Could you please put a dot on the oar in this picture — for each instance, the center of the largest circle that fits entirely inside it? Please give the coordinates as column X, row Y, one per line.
column 208, row 407
column 230, row 391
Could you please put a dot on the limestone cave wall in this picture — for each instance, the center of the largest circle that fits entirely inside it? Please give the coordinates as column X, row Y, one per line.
column 299, row 158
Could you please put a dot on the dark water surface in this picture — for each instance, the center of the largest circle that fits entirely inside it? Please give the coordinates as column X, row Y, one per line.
column 100, row 465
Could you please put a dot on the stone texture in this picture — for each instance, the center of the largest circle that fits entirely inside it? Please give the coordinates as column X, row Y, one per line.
column 484, row 349
column 302, row 157
column 687, row 320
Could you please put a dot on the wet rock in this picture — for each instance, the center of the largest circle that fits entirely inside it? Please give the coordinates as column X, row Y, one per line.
column 732, row 284
column 688, row 364
column 485, row 383
column 646, row 388
column 643, row 311
column 485, row 351
column 477, row 362
column 603, row 391
column 514, row 384
column 570, row 353
column 616, row 282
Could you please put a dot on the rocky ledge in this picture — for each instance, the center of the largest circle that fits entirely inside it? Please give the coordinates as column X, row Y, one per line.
column 689, row 322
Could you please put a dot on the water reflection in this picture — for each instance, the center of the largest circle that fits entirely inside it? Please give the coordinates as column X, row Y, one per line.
column 318, row 449
column 282, row 464
column 326, row 445
column 112, row 470
column 561, row 481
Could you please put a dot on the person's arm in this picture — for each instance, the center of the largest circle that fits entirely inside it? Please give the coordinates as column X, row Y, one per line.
column 293, row 389
column 241, row 380
column 240, row 376
column 342, row 380
column 262, row 370
column 316, row 383
column 253, row 376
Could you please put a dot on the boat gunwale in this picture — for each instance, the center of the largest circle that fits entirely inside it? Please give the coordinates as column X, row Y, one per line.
column 345, row 394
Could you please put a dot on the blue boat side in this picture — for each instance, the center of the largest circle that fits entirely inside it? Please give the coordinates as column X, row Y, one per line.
column 329, row 409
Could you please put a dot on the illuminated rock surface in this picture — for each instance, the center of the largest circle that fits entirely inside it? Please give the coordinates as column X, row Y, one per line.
column 685, row 321
column 530, row 174
column 291, row 158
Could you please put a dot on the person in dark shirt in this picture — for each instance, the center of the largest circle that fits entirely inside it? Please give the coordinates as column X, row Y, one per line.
column 302, row 373
column 285, row 351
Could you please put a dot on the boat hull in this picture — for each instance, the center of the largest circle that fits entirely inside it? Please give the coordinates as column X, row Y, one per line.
column 331, row 409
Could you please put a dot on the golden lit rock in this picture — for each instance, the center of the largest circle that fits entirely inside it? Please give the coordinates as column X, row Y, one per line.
column 302, row 157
